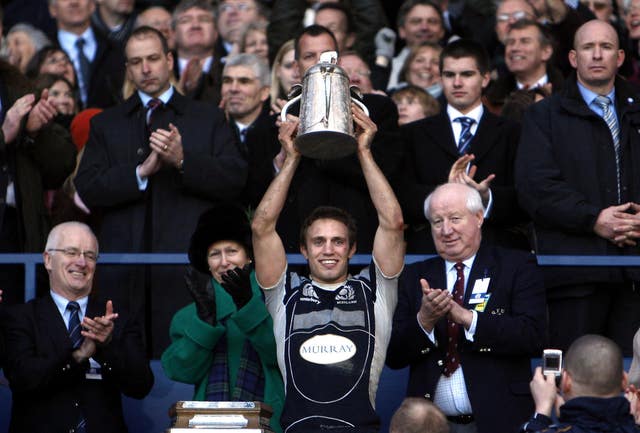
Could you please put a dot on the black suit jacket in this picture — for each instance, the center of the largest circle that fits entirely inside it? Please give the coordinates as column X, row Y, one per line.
column 510, row 331
column 50, row 390
column 566, row 175
column 430, row 151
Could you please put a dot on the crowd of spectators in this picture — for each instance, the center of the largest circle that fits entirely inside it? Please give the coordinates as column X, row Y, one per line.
column 135, row 117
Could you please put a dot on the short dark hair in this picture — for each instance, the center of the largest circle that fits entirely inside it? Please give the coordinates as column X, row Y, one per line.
column 34, row 65
column 185, row 5
column 466, row 48
column 408, row 5
column 544, row 37
column 595, row 365
column 45, row 81
column 312, row 30
column 144, row 32
column 331, row 213
column 341, row 8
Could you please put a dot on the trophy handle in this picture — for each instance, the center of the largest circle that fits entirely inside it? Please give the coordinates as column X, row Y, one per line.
column 361, row 105
column 356, row 97
column 283, row 114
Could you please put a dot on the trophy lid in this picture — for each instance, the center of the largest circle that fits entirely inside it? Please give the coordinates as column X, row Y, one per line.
column 328, row 63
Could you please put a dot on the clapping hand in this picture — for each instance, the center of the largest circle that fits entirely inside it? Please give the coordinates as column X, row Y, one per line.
column 237, row 282
column 203, row 297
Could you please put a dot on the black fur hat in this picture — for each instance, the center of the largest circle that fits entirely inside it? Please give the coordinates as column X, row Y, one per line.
column 226, row 222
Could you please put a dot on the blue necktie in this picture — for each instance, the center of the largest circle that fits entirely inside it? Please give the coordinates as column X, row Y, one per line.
column 465, row 133
column 74, row 325
column 612, row 122
column 85, row 69
column 76, row 341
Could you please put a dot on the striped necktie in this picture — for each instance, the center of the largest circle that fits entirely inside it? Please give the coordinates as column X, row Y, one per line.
column 612, row 122
column 465, row 133
column 74, row 324
column 76, row 340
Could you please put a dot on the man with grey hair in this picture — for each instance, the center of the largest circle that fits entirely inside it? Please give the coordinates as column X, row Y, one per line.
column 245, row 88
column 468, row 321
column 70, row 356
column 197, row 65
column 22, row 42
column 591, row 383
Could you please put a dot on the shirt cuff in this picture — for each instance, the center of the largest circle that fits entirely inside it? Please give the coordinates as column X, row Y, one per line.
column 430, row 335
column 276, row 170
column 487, row 211
column 469, row 333
column 536, row 423
column 142, row 183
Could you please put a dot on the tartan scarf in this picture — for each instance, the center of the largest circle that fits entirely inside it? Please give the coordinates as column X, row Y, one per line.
column 250, row 380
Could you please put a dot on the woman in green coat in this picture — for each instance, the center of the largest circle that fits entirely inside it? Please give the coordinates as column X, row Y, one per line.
column 223, row 342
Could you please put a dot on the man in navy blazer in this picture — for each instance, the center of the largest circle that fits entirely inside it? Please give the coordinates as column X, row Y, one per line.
column 471, row 357
column 69, row 356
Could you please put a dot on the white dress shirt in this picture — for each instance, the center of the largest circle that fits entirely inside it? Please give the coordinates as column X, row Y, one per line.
column 451, row 392
column 68, row 44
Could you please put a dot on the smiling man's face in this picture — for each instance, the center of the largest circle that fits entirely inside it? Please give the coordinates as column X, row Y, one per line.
column 326, row 248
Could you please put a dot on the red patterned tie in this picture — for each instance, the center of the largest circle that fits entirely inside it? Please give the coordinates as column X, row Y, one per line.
column 152, row 104
column 453, row 329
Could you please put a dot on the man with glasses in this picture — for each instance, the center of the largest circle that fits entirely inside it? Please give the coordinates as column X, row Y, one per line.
column 197, row 65
column 560, row 20
column 69, row 355
column 233, row 17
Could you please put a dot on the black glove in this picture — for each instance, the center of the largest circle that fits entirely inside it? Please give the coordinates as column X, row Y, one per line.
column 203, row 297
column 237, row 282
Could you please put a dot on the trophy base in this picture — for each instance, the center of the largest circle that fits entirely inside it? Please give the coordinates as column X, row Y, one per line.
column 326, row 144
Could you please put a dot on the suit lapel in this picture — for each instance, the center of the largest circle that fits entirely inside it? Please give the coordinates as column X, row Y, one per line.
column 484, row 138
column 437, row 274
column 47, row 312
column 440, row 129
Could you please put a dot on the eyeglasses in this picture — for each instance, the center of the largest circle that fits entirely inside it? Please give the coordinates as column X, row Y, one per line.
column 240, row 7
column 74, row 253
column 53, row 60
column 512, row 16
column 189, row 19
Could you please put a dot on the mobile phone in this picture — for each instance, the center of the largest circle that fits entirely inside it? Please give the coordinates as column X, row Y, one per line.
column 552, row 361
